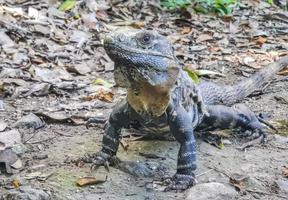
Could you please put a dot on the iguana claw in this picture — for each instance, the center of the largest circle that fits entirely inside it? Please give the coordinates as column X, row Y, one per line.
column 179, row 182
column 97, row 159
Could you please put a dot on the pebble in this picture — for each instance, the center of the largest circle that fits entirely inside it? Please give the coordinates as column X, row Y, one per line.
column 211, row 191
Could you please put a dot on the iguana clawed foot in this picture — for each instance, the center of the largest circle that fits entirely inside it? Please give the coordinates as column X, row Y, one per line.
column 97, row 159
column 250, row 125
column 179, row 182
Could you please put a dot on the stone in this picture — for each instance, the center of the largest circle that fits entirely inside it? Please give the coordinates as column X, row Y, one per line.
column 283, row 186
column 211, row 191
column 3, row 126
column 29, row 121
column 27, row 193
column 9, row 138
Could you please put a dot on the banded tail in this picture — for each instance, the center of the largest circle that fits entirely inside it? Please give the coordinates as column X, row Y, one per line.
column 228, row 95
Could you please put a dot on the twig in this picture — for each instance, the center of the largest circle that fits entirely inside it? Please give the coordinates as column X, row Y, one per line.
column 43, row 140
column 63, row 134
column 265, row 193
column 33, row 22
column 204, row 172
column 250, row 143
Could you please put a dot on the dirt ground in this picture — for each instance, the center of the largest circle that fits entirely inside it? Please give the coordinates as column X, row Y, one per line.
column 49, row 151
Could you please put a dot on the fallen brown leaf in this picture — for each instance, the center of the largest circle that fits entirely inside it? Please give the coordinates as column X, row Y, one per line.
column 90, row 181
column 124, row 145
column 214, row 49
column 105, row 95
column 285, row 172
column 260, row 40
column 239, row 184
column 284, row 72
column 138, row 24
column 186, row 30
column 102, row 15
column 204, row 37
column 16, row 183
column 102, row 95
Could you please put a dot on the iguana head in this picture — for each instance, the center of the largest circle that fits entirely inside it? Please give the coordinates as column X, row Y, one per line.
column 141, row 56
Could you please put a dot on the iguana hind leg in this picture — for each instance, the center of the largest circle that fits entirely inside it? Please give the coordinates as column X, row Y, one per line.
column 238, row 117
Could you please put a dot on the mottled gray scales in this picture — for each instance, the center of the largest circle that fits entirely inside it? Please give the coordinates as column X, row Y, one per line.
column 163, row 99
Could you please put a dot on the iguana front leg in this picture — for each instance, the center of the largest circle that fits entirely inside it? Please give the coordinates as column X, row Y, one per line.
column 119, row 118
column 181, row 127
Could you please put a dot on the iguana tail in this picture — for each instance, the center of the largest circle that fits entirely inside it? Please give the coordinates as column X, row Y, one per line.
column 228, row 95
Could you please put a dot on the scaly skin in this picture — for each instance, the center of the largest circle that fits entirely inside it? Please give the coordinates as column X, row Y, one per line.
column 162, row 98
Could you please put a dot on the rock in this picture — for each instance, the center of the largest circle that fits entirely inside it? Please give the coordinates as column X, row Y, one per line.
column 5, row 40
column 254, row 184
column 52, row 75
column 17, row 165
column 2, row 108
column 26, row 193
column 281, row 139
column 3, row 126
column 41, row 89
column 211, row 191
column 19, row 149
column 9, row 138
column 283, row 186
column 80, row 68
column 29, row 121
column 8, row 158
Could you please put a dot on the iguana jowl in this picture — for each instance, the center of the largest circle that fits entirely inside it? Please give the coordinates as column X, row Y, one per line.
column 163, row 99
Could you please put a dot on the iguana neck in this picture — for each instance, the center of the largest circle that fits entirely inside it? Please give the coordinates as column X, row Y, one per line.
column 149, row 100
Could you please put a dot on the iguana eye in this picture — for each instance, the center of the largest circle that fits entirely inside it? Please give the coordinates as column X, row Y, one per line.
column 146, row 39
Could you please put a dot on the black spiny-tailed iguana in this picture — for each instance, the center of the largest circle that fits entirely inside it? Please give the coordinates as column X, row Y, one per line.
column 163, row 99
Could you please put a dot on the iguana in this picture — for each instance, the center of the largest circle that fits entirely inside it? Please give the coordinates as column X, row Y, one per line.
column 163, row 99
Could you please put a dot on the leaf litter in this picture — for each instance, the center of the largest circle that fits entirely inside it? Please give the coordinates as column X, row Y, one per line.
column 54, row 71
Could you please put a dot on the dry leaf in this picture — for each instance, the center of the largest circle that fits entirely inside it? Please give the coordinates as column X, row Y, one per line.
column 124, row 145
column 238, row 182
column 16, row 183
column 284, row 72
column 250, row 62
column 186, row 30
column 90, row 181
column 260, row 40
column 105, row 95
column 102, row 15
column 138, row 24
column 214, row 49
column 204, row 37
column 285, row 172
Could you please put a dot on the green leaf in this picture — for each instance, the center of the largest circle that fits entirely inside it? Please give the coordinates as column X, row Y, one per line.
column 270, row 2
column 175, row 4
column 221, row 7
column 192, row 75
column 221, row 146
column 100, row 81
column 67, row 5
column 203, row 72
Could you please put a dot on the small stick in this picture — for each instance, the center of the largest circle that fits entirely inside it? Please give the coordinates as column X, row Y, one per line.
column 265, row 193
column 201, row 174
column 48, row 139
